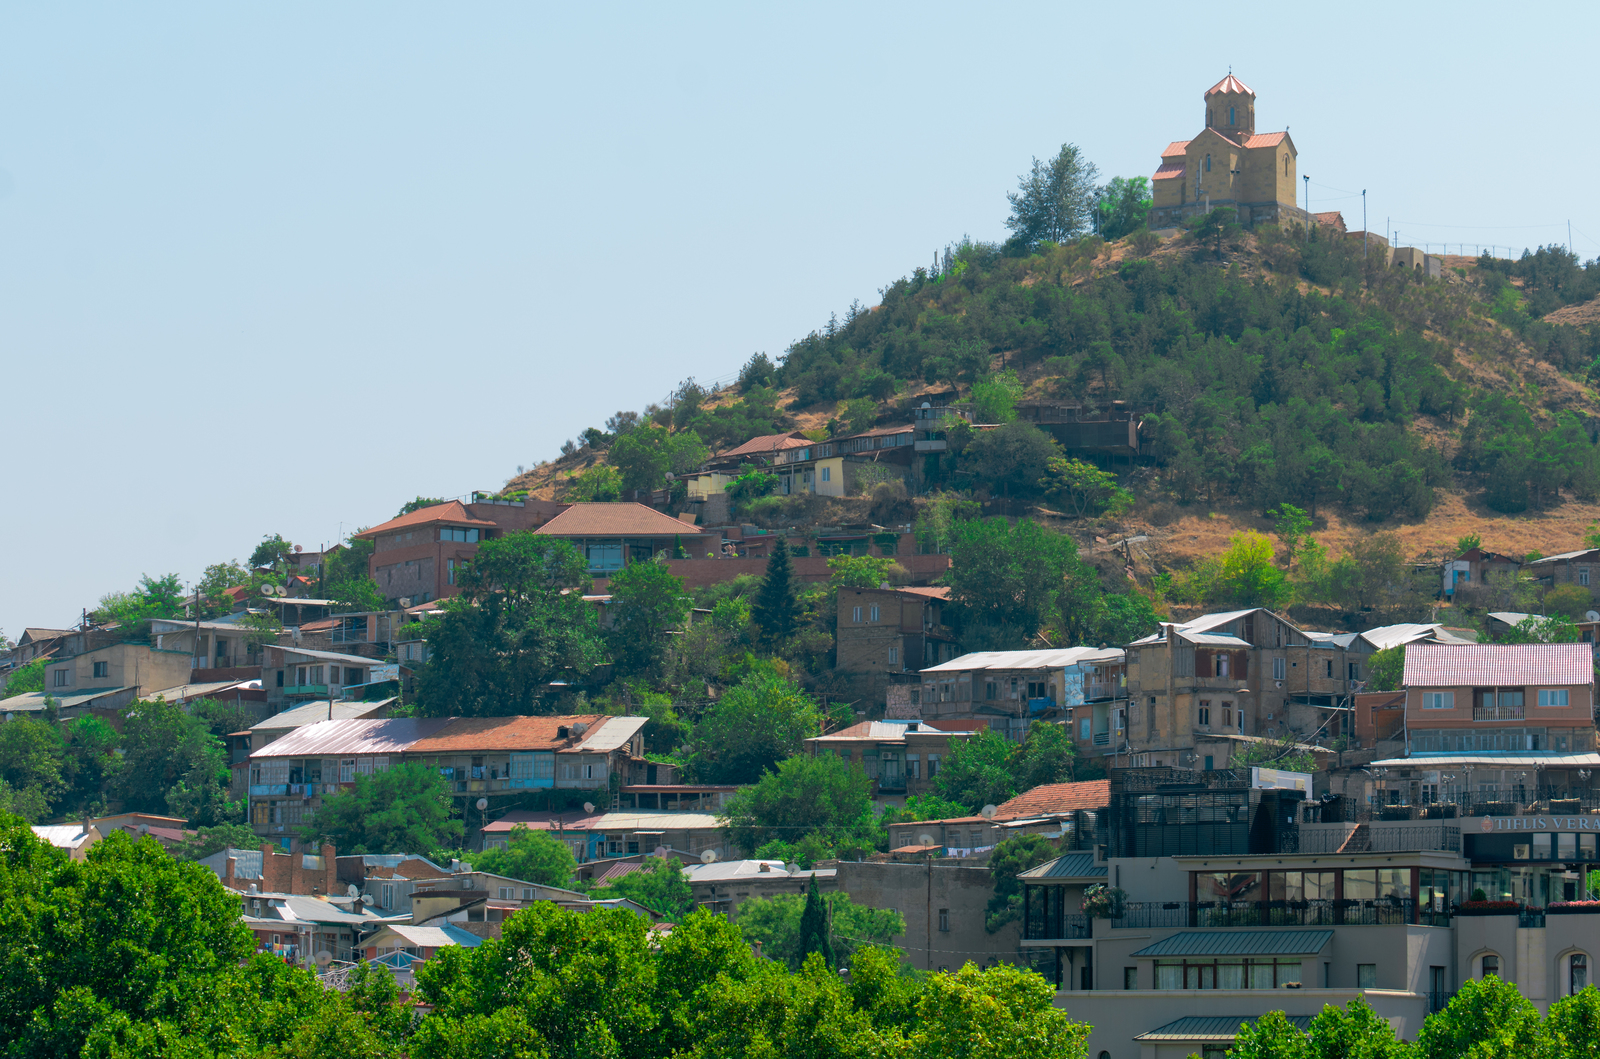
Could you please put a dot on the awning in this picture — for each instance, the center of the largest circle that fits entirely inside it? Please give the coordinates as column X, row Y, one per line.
column 1240, row 943
column 1212, row 1028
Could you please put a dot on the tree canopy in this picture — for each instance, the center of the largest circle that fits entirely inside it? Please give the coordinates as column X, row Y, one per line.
column 533, row 856
column 406, row 808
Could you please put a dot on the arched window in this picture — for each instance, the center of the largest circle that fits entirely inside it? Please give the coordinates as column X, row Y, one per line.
column 1285, row 165
column 1578, row 968
column 1230, row 115
column 1208, row 163
column 1489, row 965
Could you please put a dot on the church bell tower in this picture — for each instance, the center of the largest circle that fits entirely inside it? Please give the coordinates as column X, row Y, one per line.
column 1231, row 109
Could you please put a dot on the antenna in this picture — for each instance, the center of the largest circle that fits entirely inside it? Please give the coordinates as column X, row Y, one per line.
column 708, row 857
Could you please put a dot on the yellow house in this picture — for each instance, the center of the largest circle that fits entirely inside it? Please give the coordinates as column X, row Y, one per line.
column 1228, row 163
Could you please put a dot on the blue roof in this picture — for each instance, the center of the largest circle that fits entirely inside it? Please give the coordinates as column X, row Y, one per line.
column 1070, row 866
column 464, row 938
column 1240, row 943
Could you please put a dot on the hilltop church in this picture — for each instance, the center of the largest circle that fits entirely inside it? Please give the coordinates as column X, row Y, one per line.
column 1228, row 164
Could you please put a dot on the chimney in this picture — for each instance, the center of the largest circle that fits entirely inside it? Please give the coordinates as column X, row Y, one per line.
column 231, row 867
column 330, row 869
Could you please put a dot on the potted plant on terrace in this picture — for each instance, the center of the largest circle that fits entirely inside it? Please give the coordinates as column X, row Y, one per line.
column 1104, row 902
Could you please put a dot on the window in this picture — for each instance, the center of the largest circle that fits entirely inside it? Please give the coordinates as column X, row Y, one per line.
column 605, row 555
column 933, row 765
column 102, row 669
column 1204, row 717
column 827, row 474
column 1227, row 717
column 386, row 895
column 1230, row 115
column 450, row 571
column 913, row 766
column 505, row 893
column 894, row 655
column 1277, row 669
column 1547, row 696
column 1329, row 667
column 527, row 893
column 462, row 536
column 1354, row 669
column 1490, row 965
column 1579, row 972
column 944, row 919
column 1208, row 163
column 1583, row 575
column 1366, row 976
column 1130, row 978
column 61, row 678
column 874, row 612
column 1286, row 165
column 855, row 615
column 1438, row 700
column 1222, row 665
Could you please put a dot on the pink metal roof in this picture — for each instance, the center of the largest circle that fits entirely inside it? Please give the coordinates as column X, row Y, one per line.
column 390, row 736
column 1175, row 148
column 1498, row 665
column 1169, row 171
column 1230, row 84
column 615, row 520
column 1265, row 139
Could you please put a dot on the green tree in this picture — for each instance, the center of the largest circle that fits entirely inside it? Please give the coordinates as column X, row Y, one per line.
column 1537, row 628
column 938, row 519
column 648, row 605
column 1572, row 1029
column 407, row 808
column 923, row 807
column 155, row 597
column 1215, row 228
column 1010, row 459
column 345, row 579
column 774, row 609
column 659, row 885
column 1121, row 207
column 1385, row 669
column 27, row 678
column 215, row 582
column 1083, row 488
column 816, row 934
column 995, row 397
column 600, row 484
column 171, row 763
column 1002, row 1013
column 1122, row 618
column 1047, row 755
column 519, row 623
column 1008, row 860
column 818, row 794
column 1568, row 601
column 90, row 761
column 756, row 724
column 418, row 504
column 1353, row 1032
column 31, row 758
column 775, row 923
column 862, row 571
column 1054, row 201
column 978, row 772
column 1007, row 581
column 1245, row 575
column 1272, row 1036
column 533, row 856
column 751, row 483
column 213, row 839
column 273, row 552
column 645, row 455
column 1487, row 1019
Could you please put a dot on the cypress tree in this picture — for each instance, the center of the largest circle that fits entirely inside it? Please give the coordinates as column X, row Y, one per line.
column 774, row 605
column 814, row 933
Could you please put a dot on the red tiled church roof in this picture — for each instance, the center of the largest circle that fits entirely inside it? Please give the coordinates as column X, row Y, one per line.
column 1230, row 84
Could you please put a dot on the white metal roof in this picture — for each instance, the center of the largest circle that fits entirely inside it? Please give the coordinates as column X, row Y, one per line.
column 312, row 712
column 327, row 656
column 1054, row 658
column 1492, row 761
column 614, row 732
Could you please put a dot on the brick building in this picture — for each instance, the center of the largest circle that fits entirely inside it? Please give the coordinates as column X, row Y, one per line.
column 417, row 556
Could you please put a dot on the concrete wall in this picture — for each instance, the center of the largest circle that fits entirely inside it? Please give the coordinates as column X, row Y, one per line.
column 127, row 665
column 1537, row 959
column 918, row 892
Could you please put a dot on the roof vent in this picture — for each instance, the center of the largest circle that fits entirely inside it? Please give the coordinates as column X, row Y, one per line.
column 764, row 866
column 254, row 888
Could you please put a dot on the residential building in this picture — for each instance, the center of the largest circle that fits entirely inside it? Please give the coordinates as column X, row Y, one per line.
column 944, row 903
column 621, row 833
column 418, row 943
column 135, row 666
column 1567, row 568
column 306, row 929
column 610, row 536
column 1229, row 164
column 497, row 759
column 1067, row 812
column 295, row 675
column 418, row 556
column 722, row 886
column 847, row 465
column 210, row 644
column 1083, row 686
column 1470, row 571
column 271, row 869
column 886, row 631
column 900, row 757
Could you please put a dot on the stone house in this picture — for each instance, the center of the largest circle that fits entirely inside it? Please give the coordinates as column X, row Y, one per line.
column 900, row 757
column 417, row 556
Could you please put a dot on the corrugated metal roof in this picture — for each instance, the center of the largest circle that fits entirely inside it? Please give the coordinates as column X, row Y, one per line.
column 615, row 520
column 1498, row 665
column 1387, row 636
column 1070, row 866
column 612, row 734
column 1212, row 1027
column 387, row 736
column 1565, row 555
column 1051, row 659
column 1240, row 943
column 436, row 937
column 1212, row 639
column 326, row 656
column 1498, row 761
column 503, row 733
column 34, row 700
column 312, row 712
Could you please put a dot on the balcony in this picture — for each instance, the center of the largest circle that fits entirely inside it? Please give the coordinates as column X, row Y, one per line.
column 319, row 690
column 1497, row 713
column 1109, row 690
column 1145, row 915
column 1044, row 926
column 931, row 446
column 1102, row 739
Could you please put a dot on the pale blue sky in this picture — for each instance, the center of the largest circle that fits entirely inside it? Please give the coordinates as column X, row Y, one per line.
column 278, row 268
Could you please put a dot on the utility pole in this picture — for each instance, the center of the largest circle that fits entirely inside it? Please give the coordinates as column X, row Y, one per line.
column 1308, row 209
column 1569, row 237
column 1366, row 236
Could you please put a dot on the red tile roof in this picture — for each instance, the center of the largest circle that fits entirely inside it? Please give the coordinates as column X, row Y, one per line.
column 503, row 733
column 1176, row 148
column 1498, row 665
column 932, row 592
column 615, row 520
column 453, row 511
column 1169, row 171
column 1230, row 84
column 1057, row 798
column 1266, row 139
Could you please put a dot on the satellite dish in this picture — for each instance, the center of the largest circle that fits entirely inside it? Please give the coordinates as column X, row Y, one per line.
column 708, row 857
column 353, row 890
column 324, row 958
column 927, row 404
column 579, row 728
column 924, row 839
column 1593, row 615
column 988, row 811
column 483, row 803
column 366, row 899
column 298, row 549
column 792, row 869
column 661, row 851
column 405, row 602
column 588, row 807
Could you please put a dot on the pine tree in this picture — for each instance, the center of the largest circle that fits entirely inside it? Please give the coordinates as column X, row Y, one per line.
column 774, row 606
column 815, row 935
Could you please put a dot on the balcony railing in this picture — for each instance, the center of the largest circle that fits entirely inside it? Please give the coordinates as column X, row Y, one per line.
column 1069, row 927
column 1323, row 913
column 320, row 690
column 1325, row 840
column 1497, row 713
column 1102, row 738
column 1108, row 690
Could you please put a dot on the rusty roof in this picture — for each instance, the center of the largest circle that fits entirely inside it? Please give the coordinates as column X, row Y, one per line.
column 504, row 733
column 615, row 520
column 1498, row 665
column 1057, row 798
column 769, row 443
column 1169, row 171
column 1229, row 84
column 389, row 736
column 453, row 511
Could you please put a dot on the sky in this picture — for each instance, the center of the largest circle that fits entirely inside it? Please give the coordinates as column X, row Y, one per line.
column 280, row 268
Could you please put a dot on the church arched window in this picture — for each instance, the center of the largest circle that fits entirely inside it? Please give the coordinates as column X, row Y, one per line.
column 1208, row 163
column 1230, row 115
column 1285, row 165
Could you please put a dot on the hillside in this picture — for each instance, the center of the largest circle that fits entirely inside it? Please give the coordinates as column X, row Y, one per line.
column 1272, row 371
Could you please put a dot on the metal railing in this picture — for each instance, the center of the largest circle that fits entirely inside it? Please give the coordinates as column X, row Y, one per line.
column 1497, row 713
column 1321, row 913
column 1069, row 927
column 1375, row 840
column 1437, row 1002
column 1102, row 738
